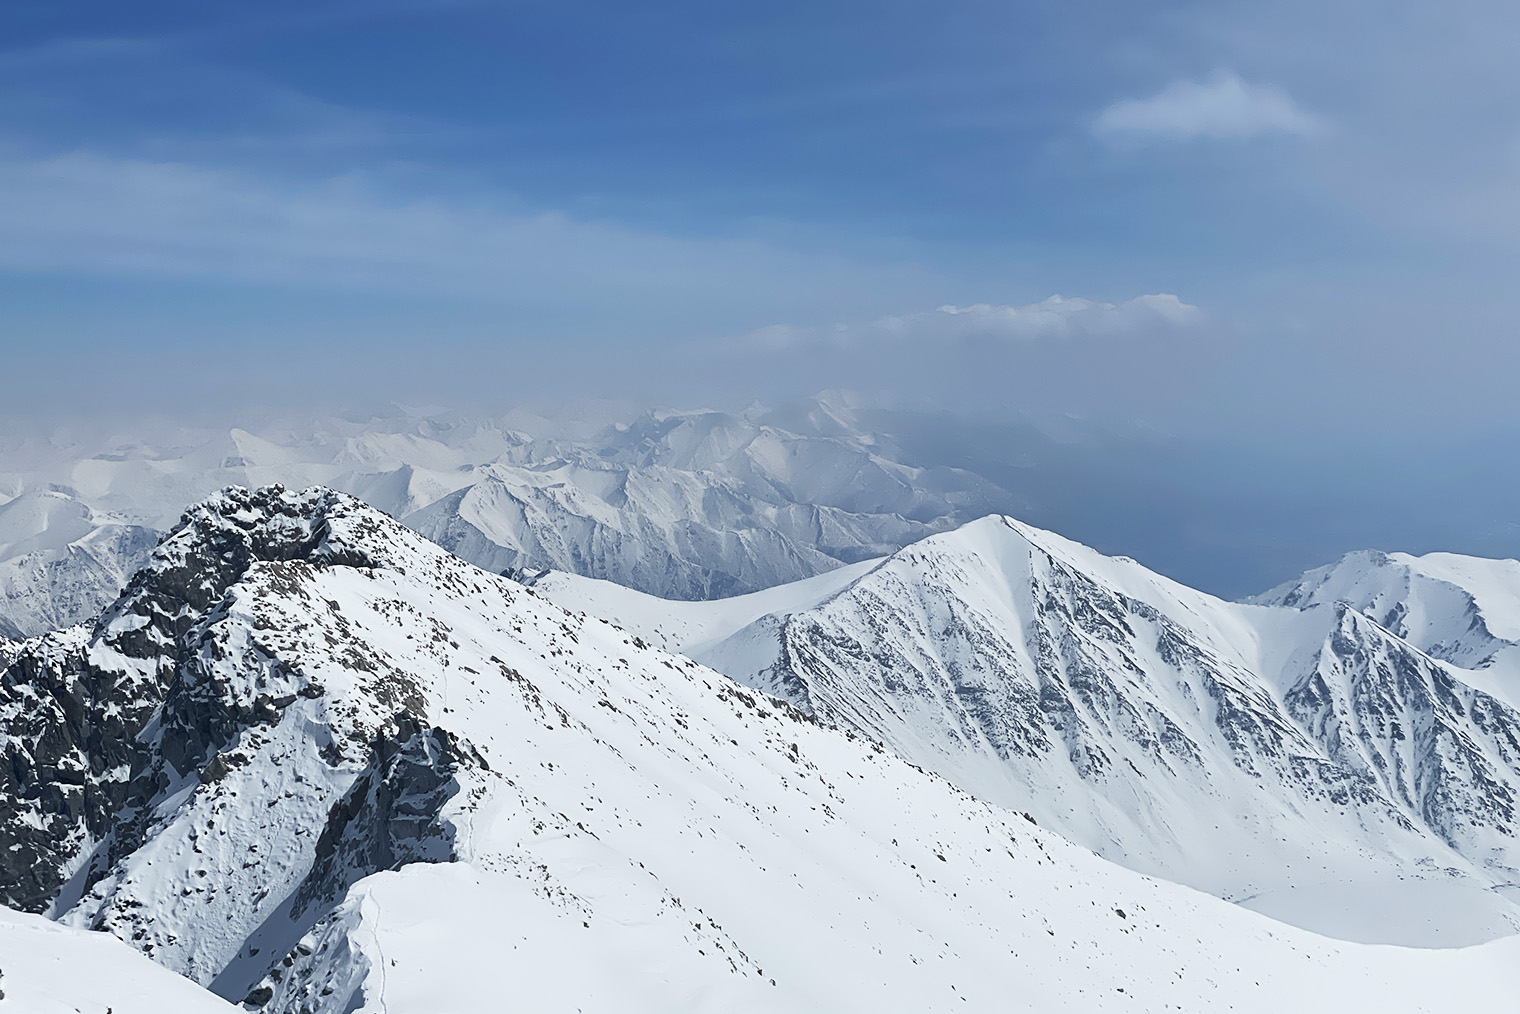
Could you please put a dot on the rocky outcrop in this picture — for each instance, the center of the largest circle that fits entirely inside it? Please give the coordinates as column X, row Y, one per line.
column 393, row 814
column 179, row 757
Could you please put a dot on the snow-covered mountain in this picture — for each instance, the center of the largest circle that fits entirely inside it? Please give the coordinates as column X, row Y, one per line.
column 1459, row 609
column 1301, row 759
column 682, row 504
column 317, row 763
column 61, row 560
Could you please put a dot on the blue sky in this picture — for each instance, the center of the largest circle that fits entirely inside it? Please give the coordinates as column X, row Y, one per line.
column 1288, row 228
column 1326, row 181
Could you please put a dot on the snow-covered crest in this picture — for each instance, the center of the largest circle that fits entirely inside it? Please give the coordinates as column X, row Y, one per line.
column 1460, row 609
column 45, row 967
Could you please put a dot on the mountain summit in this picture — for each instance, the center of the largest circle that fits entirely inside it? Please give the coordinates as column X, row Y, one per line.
column 1301, row 758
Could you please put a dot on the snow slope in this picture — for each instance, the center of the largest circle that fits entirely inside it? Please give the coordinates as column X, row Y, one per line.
column 1307, row 763
column 336, row 769
column 46, row 968
column 688, row 628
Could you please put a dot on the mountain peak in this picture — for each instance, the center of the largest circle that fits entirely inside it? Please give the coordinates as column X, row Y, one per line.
column 76, row 704
column 1124, row 709
column 1464, row 610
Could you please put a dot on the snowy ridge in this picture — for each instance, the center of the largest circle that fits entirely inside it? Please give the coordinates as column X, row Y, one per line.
column 365, row 776
column 1308, row 763
column 1459, row 609
column 692, row 627
column 41, row 966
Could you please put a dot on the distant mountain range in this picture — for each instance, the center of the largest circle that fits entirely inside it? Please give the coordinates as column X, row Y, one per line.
column 684, row 505
column 708, row 711
column 702, row 504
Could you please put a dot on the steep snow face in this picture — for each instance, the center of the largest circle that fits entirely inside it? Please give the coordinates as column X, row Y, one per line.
column 686, row 505
column 46, row 968
column 380, row 780
column 1306, row 763
column 1460, row 609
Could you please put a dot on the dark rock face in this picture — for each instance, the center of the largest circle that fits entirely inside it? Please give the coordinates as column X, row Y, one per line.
column 76, row 765
column 176, row 776
column 70, row 755
column 1088, row 645
column 211, row 548
column 1389, row 714
column 95, row 723
column 393, row 813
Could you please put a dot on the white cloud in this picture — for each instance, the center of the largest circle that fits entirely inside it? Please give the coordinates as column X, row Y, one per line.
column 90, row 214
column 1056, row 317
column 1128, row 359
column 1223, row 106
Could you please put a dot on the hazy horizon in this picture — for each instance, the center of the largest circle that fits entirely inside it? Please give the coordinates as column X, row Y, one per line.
column 1261, row 259
column 1208, row 515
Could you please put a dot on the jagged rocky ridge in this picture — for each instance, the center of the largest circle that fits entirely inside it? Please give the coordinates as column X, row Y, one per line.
column 298, row 696
column 149, row 739
column 1307, row 762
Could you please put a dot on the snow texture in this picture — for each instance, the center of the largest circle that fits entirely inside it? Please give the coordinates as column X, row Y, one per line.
column 46, row 968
